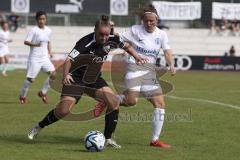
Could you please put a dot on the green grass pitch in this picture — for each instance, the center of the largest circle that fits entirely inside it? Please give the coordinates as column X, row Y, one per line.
column 202, row 123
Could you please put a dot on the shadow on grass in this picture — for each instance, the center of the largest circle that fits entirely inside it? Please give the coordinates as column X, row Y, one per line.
column 50, row 139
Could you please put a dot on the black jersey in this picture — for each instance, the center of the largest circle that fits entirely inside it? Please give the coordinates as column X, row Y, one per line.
column 88, row 56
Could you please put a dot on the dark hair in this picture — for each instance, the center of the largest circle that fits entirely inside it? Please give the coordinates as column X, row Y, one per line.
column 3, row 22
column 149, row 8
column 103, row 21
column 40, row 13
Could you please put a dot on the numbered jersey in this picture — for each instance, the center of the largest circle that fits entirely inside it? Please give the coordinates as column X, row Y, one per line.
column 146, row 44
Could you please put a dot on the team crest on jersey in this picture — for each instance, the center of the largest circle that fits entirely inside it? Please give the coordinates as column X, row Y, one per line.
column 74, row 53
column 157, row 41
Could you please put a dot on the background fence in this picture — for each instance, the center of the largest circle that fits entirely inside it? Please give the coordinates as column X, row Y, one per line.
column 95, row 8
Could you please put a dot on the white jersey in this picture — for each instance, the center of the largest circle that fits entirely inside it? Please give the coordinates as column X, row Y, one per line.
column 146, row 44
column 39, row 36
column 4, row 38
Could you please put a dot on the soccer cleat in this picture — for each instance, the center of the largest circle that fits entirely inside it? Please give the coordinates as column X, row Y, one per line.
column 23, row 100
column 4, row 74
column 112, row 143
column 34, row 132
column 43, row 96
column 99, row 108
column 160, row 144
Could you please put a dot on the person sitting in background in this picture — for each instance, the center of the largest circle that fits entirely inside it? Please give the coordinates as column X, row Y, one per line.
column 13, row 21
column 214, row 27
column 235, row 27
column 2, row 17
column 225, row 25
column 232, row 51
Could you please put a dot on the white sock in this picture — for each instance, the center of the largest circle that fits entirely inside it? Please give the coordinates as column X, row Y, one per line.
column 25, row 87
column 121, row 98
column 4, row 67
column 46, row 86
column 157, row 122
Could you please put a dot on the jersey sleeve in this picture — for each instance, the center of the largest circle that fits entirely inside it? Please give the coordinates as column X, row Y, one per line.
column 30, row 35
column 165, row 42
column 127, row 36
column 76, row 51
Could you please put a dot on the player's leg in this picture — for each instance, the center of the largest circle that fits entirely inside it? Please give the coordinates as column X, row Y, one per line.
column 128, row 98
column 4, row 66
column 158, row 120
column 61, row 110
column 111, row 100
column 32, row 71
column 152, row 90
column 47, row 67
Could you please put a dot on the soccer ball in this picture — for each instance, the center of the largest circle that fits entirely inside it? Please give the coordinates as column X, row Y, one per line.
column 94, row 141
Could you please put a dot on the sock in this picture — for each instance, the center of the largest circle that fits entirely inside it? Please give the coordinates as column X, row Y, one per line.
column 111, row 119
column 4, row 67
column 45, row 86
column 48, row 119
column 25, row 87
column 157, row 123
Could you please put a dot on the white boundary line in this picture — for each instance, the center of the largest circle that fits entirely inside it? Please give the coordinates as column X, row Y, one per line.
column 199, row 100
column 205, row 101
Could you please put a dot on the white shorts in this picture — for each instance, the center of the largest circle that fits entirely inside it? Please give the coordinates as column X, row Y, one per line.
column 144, row 82
column 4, row 51
column 34, row 67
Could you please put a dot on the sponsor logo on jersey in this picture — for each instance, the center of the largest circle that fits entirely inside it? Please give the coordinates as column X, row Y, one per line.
column 146, row 51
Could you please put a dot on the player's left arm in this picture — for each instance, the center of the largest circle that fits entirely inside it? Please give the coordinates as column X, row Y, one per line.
column 169, row 58
column 49, row 49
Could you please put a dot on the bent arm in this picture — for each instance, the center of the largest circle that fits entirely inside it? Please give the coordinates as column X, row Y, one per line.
column 31, row 44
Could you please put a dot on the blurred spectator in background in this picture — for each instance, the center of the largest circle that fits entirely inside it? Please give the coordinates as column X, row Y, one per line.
column 235, row 27
column 13, row 21
column 232, row 51
column 161, row 24
column 214, row 28
column 2, row 17
column 225, row 25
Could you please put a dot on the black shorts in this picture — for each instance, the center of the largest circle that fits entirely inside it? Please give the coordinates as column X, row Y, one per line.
column 78, row 88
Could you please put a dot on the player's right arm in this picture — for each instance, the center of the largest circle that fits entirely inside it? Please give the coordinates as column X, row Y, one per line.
column 72, row 56
column 67, row 78
column 29, row 39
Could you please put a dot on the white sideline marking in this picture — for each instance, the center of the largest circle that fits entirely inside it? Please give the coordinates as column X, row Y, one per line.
column 199, row 100
column 205, row 101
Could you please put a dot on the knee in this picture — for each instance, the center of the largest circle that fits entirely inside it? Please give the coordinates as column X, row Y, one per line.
column 114, row 104
column 131, row 102
column 159, row 104
column 61, row 112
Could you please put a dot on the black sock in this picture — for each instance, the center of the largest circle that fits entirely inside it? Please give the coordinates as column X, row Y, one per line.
column 48, row 119
column 111, row 119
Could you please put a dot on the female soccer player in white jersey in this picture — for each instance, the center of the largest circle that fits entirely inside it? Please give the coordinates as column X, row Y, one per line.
column 4, row 40
column 38, row 39
column 147, row 40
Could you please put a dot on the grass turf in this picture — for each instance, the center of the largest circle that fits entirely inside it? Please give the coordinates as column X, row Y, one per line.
column 196, row 129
